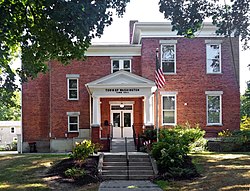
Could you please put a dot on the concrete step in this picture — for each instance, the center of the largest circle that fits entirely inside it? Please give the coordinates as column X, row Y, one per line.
column 123, row 159
column 131, row 172
column 125, row 177
column 124, row 163
column 125, row 168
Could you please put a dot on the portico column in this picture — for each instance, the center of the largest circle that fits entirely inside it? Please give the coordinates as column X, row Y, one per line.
column 148, row 110
column 96, row 110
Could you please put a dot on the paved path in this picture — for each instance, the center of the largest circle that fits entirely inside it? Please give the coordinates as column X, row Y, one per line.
column 128, row 185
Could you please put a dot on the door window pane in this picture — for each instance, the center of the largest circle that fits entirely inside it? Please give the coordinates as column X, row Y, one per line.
column 116, row 119
column 127, row 119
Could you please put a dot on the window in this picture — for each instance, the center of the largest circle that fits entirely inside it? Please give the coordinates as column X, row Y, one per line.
column 168, row 61
column 73, row 121
column 121, row 64
column 214, row 116
column 72, row 83
column 12, row 130
column 169, row 109
column 213, row 58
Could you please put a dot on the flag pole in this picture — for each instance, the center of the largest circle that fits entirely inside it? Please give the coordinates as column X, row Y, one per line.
column 156, row 94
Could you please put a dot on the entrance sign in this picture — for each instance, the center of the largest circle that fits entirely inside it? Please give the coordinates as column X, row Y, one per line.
column 122, row 90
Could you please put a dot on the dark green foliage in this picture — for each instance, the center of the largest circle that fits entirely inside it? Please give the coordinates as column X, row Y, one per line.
column 187, row 16
column 173, row 146
column 48, row 30
column 75, row 172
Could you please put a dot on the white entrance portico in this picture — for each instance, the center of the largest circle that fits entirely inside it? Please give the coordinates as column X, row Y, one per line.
column 124, row 87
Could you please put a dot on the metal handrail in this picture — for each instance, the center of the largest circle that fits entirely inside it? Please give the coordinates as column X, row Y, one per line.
column 127, row 157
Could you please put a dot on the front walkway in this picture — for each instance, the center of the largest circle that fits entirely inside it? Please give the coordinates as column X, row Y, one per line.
column 128, row 185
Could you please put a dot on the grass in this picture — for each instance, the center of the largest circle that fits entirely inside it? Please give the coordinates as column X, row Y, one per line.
column 219, row 171
column 25, row 172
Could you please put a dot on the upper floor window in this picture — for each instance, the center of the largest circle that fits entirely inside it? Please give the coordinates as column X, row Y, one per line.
column 169, row 109
column 213, row 58
column 214, row 114
column 72, row 85
column 121, row 64
column 168, row 58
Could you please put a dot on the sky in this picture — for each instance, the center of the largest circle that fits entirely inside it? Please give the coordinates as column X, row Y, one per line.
column 148, row 11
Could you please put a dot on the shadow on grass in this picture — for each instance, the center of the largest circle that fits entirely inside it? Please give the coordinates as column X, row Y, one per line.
column 24, row 172
column 219, row 172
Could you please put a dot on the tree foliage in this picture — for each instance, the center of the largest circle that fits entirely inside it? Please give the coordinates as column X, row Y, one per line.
column 48, row 29
column 187, row 16
column 11, row 113
column 245, row 102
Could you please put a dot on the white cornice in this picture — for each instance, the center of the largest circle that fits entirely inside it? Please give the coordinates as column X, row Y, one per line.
column 164, row 29
column 114, row 50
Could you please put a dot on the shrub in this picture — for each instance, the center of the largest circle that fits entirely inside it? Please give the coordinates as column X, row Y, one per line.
column 174, row 145
column 245, row 123
column 74, row 172
column 84, row 149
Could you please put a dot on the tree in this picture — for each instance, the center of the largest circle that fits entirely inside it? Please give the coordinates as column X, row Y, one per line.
column 62, row 29
column 11, row 113
column 245, row 102
column 187, row 16
column 47, row 29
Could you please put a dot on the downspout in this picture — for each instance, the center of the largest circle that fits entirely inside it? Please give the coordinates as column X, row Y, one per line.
column 50, row 102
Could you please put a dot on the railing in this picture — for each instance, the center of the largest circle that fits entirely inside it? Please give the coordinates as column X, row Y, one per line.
column 127, row 157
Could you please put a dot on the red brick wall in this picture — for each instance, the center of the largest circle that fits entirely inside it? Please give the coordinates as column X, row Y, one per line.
column 191, row 80
column 35, row 109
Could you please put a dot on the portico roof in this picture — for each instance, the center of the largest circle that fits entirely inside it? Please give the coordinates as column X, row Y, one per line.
column 121, row 79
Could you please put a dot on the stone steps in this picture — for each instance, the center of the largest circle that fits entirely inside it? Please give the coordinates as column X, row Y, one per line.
column 115, row 167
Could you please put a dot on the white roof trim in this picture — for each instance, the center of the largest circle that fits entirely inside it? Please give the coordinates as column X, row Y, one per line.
column 114, row 50
column 10, row 123
column 164, row 29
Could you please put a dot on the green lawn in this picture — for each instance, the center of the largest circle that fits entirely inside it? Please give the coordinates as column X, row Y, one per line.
column 219, row 171
column 25, row 172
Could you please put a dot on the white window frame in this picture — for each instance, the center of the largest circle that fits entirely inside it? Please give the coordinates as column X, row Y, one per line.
column 13, row 130
column 73, row 114
column 168, row 94
column 209, row 43
column 168, row 43
column 121, row 63
column 214, row 93
column 72, row 77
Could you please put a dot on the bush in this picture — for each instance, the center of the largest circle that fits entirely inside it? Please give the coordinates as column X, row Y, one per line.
column 174, row 145
column 84, row 149
column 75, row 172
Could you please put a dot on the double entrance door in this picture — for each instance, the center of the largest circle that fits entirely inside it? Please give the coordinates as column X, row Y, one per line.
column 122, row 120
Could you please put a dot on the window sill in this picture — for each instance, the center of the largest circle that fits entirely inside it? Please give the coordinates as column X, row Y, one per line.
column 169, row 73
column 216, row 73
column 73, row 99
column 169, row 124
column 73, row 132
column 214, row 124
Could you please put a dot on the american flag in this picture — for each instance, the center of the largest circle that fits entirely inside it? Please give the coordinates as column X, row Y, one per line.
column 159, row 76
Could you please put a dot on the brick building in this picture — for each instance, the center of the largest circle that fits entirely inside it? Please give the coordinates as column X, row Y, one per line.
column 113, row 89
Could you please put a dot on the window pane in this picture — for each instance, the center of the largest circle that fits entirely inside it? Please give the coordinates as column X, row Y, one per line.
column 168, row 52
column 116, row 64
column 73, row 94
column 73, row 119
column 127, row 119
column 72, row 83
column 116, row 119
column 126, row 64
column 73, row 127
column 213, row 58
column 214, row 109
column 169, row 102
column 213, row 65
column 168, row 117
column 168, row 67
